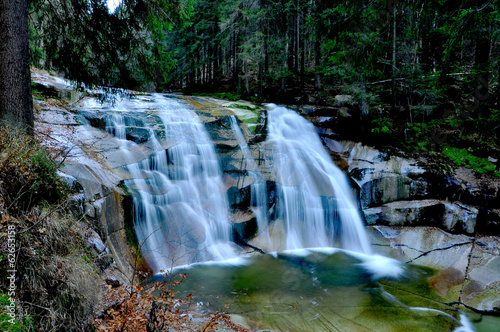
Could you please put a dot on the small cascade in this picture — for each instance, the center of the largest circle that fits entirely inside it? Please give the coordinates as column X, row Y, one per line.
column 258, row 190
column 180, row 208
column 314, row 200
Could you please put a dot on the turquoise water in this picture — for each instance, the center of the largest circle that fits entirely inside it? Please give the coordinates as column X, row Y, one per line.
column 319, row 291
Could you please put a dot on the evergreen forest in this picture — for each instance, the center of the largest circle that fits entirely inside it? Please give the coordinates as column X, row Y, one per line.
column 420, row 71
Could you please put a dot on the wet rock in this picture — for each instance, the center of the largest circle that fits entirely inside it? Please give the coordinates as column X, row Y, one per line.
column 245, row 225
column 92, row 186
column 431, row 247
column 406, row 213
column 454, row 218
column 239, row 198
column 468, row 269
column 381, row 178
column 482, row 291
column 116, row 158
column 56, row 116
column 389, row 188
column 95, row 119
column 137, row 134
column 58, row 88
column 488, row 221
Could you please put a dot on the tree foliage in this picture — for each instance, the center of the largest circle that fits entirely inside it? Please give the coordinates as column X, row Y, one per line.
column 87, row 43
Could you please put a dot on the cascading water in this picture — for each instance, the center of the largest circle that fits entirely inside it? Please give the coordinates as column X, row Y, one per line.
column 314, row 198
column 258, row 190
column 181, row 215
column 180, row 208
column 166, row 160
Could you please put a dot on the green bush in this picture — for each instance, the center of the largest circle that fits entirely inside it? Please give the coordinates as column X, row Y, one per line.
column 28, row 172
column 419, row 136
column 381, row 125
column 231, row 96
column 463, row 157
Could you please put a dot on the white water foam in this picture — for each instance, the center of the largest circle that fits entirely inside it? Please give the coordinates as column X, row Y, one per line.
column 314, row 196
column 466, row 325
column 379, row 267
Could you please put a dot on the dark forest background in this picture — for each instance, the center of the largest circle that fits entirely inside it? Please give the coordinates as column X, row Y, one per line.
column 420, row 75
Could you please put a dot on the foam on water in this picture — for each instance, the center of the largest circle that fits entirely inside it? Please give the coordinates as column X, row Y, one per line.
column 466, row 325
column 379, row 267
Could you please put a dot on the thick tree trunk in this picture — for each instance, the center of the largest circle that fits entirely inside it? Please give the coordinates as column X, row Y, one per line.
column 16, row 101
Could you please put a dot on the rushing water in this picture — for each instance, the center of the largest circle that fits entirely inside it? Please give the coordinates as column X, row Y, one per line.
column 314, row 197
column 180, row 209
column 258, row 189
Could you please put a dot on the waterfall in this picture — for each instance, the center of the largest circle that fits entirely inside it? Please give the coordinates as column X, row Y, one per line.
column 181, row 216
column 258, row 190
column 180, row 207
column 314, row 200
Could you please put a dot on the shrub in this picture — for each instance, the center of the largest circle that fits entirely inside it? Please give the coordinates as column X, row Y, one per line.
column 463, row 157
column 381, row 125
column 28, row 172
column 56, row 285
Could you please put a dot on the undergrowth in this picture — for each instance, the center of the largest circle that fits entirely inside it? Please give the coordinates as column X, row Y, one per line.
column 54, row 278
column 156, row 307
column 231, row 96
column 466, row 142
column 28, row 173
column 464, row 157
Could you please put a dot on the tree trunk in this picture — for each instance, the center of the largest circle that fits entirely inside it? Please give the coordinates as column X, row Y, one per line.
column 16, row 101
column 247, row 82
column 482, row 59
column 317, row 49
column 394, row 60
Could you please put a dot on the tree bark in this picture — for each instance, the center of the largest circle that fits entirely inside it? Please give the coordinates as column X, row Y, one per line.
column 16, row 101
column 317, row 48
column 394, row 22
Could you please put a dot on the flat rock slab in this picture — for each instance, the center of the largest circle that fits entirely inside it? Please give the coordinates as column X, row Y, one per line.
column 482, row 289
column 57, row 116
column 452, row 217
column 467, row 268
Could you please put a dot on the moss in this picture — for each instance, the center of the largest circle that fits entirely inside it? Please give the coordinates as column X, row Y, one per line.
column 464, row 157
column 232, row 96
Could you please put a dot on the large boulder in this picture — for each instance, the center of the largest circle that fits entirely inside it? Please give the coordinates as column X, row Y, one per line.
column 394, row 190
column 452, row 217
column 381, row 178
